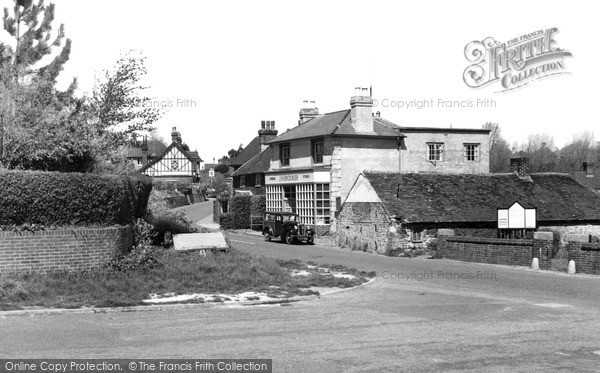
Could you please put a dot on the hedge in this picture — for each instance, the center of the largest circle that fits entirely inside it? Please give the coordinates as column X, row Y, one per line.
column 226, row 220
column 240, row 209
column 59, row 199
column 258, row 205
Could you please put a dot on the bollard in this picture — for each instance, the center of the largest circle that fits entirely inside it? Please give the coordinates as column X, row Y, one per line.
column 535, row 263
column 571, row 267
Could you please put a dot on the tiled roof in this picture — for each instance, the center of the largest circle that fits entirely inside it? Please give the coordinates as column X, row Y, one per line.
column 336, row 123
column 250, row 151
column 154, row 147
column 436, row 198
column 590, row 180
column 258, row 164
column 194, row 154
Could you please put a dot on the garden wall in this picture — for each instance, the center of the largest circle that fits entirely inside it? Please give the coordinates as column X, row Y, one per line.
column 62, row 249
column 585, row 254
column 496, row 250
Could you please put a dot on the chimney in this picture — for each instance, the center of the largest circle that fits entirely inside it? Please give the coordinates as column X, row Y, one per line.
column 175, row 135
column 266, row 132
column 520, row 166
column 361, row 111
column 145, row 151
column 308, row 111
column 588, row 167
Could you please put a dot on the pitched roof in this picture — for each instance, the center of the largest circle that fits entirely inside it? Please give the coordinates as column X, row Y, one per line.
column 435, row 198
column 590, row 180
column 251, row 150
column 258, row 164
column 173, row 144
column 336, row 123
column 194, row 154
column 154, row 147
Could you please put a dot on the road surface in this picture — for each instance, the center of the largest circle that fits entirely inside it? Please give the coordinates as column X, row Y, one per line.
column 419, row 315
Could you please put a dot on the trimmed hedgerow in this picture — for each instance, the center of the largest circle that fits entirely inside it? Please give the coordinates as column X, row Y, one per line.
column 240, row 211
column 258, row 205
column 226, row 220
column 59, row 199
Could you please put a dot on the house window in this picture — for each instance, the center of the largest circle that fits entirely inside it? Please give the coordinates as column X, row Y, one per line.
column 416, row 235
column 323, row 204
column 317, row 151
column 471, row 152
column 257, row 180
column 435, row 151
column 284, row 154
column 242, row 181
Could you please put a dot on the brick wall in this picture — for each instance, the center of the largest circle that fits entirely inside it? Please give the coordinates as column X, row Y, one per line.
column 62, row 249
column 496, row 250
column 585, row 254
column 364, row 226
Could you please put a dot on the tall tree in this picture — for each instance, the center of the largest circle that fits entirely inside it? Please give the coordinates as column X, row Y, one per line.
column 119, row 110
column 500, row 152
column 39, row 125
column 541, row 151
column 580, row 149
column 119, row 103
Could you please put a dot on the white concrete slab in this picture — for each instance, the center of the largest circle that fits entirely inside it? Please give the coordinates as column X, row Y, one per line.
column 200, row 241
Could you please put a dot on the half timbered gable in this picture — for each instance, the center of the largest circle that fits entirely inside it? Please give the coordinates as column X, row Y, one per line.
column 174, row 162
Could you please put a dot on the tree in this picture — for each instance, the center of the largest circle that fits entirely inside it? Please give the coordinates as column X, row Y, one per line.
column 39, row 125
column 541, row 152
column 580, row 149
column 118, row 102
column 232, row 153
column 500, row 152
column 119, row 110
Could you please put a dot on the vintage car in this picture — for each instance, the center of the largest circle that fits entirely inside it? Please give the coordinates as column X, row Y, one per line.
column 286, row 225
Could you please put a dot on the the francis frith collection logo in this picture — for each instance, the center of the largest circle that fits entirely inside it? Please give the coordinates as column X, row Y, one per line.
column 516, row 62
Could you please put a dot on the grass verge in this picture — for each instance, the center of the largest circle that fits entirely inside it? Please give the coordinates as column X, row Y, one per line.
column 176, row 272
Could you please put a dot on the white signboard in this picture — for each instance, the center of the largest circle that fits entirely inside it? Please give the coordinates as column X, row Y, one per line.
column 211, row 172
column 503, row 219
column 517, row 217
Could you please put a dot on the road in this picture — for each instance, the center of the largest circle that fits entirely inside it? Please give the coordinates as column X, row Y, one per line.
column 418, row 315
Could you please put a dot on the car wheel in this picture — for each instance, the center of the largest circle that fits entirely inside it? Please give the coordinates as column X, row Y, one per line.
column 268, row 237
column 289, row 239
column 310, row 240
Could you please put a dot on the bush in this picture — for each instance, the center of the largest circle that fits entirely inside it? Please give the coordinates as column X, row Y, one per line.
column 226, row 220
column 168, row 223
column 258, row 205
column 144, row 255
column 53, row 198
column 240, row 208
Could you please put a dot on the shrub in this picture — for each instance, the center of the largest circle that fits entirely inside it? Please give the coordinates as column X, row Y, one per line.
column 53, row 198
column 240, row 208
column 226, row 220
column 168, row 223
column 258, row 205
column 144, row 255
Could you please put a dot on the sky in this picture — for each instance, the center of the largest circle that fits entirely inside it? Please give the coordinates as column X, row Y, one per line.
column 223, row 66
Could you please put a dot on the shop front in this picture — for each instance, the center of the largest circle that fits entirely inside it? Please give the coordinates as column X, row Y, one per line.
column 306, row 193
